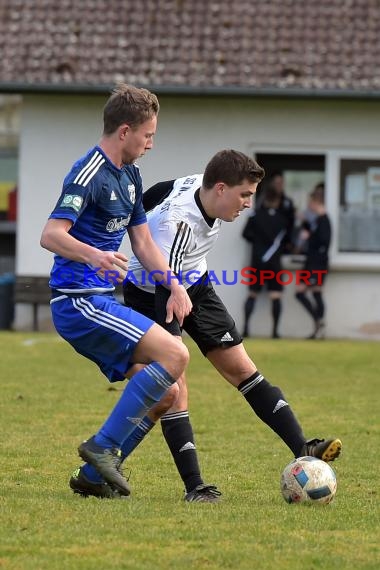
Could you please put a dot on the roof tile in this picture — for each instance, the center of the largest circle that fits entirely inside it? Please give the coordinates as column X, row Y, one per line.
column 319, row 44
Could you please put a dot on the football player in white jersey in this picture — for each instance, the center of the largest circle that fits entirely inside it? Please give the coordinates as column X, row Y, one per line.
column 185, row 221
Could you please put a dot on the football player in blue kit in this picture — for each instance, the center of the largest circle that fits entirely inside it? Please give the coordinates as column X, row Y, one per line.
column 185, row 219
column 101, row 200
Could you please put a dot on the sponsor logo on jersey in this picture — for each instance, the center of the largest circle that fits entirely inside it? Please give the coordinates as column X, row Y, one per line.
column 72, row 201
column 116, row 224
column 113, row 196
column 132, row 193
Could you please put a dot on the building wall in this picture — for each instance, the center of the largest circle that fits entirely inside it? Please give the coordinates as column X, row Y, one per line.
column 58, row 129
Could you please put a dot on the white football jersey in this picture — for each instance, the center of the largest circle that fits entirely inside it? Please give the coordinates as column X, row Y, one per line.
column 183, row 232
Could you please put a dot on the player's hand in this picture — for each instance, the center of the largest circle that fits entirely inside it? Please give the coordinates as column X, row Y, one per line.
column 113, row 265
column 120, row 264
column 178, row 304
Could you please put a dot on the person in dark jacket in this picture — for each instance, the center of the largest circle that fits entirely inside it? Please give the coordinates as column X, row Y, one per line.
column 276, row 181
column 316, row 233
column 268, row 230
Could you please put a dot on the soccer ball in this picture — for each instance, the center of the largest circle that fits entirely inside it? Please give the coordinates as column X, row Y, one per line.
column 308, row 480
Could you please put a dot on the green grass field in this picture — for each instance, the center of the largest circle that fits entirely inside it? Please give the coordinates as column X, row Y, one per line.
column 51, row 399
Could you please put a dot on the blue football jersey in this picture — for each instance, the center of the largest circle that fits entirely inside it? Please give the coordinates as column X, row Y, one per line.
column 102, row 201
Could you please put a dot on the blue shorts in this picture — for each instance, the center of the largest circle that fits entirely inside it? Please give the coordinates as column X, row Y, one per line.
column 100, row 328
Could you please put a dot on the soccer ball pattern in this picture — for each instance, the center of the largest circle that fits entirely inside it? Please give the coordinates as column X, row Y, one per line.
column 307, row 479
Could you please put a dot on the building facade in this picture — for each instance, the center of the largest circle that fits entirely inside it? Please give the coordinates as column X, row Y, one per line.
column 310, row 139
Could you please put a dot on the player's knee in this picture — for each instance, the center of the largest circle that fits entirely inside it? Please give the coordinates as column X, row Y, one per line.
column 181, row 357
column 176, row 358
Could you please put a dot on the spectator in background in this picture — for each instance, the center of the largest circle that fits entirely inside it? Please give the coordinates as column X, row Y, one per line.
column 305, row 219
column 316, row 235
column 277, row 181
column 269, row 230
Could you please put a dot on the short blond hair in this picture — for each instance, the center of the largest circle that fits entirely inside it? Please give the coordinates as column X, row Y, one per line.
column 128, row 104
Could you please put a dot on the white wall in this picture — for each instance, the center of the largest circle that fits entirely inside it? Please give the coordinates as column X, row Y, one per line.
column 56, row 130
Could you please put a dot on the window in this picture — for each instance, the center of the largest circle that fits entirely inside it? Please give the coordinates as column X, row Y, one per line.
column 9, row 137
column 301, row 173
column 359, row 205
column 352, row 196
column 9, row 133
column 8, row 183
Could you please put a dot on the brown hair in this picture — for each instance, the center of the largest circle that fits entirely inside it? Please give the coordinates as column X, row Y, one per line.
column 231, row 167
column 130, row 105
column 271, row 196
column 318, row 194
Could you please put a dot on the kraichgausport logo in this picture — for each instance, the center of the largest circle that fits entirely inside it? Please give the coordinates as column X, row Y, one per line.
column 246, row 276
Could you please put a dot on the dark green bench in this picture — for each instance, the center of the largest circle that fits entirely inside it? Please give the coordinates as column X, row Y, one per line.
column 34, row 291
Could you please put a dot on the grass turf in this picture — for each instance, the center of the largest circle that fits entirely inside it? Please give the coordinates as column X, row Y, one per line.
column 51, row 399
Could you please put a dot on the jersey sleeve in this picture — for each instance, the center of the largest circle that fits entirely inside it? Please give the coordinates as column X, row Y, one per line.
column 71, row 203
column 157, row 194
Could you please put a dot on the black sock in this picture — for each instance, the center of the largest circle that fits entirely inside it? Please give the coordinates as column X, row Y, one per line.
column 179, row 436
column 301, row 297
column 276, row 313
column 320, row 306
column 269, row 403
column 249, row 307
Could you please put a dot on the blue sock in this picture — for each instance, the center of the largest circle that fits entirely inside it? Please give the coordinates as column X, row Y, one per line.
column 136, row 437
column 132, row 441
column 143, row 390
column 91, row 473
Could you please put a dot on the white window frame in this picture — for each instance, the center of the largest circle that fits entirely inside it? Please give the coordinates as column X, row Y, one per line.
column 343, row 261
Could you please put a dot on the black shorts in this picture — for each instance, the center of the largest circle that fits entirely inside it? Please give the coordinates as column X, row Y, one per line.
column 271, row 284
column 209, row 324
column 316, row 279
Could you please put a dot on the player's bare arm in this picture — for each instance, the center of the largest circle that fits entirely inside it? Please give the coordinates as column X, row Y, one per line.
column 55, row 238
column 151, row 257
